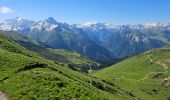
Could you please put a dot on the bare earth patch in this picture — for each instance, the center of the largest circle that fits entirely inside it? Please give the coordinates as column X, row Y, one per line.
column 3, row 96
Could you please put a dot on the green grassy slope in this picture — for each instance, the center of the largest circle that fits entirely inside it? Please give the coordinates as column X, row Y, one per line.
column 146, row 75
column 24, row 75
column 9, row 45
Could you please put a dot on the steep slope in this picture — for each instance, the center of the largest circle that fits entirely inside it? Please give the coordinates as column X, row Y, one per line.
column 146, row 75
column 60, row 56
column 34, row 46
column 11, row 46
column 31, row 77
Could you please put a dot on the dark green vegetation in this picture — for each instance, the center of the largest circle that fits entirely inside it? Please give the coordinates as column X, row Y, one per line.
column 146, row 75
column 25, row 75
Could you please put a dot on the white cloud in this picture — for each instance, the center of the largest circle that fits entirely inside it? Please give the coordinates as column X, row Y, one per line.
column 5, row 10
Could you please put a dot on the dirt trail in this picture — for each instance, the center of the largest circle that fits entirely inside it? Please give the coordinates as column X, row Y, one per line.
column 3, row 96
column 158, row 63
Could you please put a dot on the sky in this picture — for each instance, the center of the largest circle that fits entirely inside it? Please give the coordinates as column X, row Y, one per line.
column 81, row 11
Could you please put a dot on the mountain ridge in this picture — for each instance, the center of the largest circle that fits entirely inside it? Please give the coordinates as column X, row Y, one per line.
column 112, row 41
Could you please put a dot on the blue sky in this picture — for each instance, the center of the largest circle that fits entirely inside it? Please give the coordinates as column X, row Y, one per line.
column 81, row 11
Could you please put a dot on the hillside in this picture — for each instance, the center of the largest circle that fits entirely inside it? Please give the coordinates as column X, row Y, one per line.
column 31, row 77
column 146, row 75
column 60, row 56
column 11, row 46
column 34, row 46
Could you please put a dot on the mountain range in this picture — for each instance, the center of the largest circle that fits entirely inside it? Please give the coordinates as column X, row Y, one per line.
column 98, row 41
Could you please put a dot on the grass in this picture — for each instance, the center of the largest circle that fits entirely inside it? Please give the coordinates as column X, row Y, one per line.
column 129, row 74
column 9, row 45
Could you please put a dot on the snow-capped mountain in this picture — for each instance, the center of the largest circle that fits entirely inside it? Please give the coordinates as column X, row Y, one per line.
column 154, row 24
column 96, row 25
column 16, row 24
column 19, row 24
column 49, row 24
